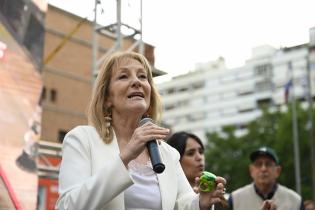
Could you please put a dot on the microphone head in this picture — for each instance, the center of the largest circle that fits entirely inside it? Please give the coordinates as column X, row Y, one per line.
column 158, row 168
column 145, row 120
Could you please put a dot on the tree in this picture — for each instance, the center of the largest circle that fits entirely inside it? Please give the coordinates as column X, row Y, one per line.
column 228, row 155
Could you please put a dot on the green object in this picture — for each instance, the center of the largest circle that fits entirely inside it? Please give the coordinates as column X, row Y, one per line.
column 207, row 181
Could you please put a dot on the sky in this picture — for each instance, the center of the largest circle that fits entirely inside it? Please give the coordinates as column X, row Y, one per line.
column 187, row 32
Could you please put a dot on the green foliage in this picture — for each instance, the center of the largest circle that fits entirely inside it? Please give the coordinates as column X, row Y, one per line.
column 227, row 155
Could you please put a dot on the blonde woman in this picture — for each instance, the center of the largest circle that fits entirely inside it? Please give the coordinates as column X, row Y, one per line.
column 106, row 165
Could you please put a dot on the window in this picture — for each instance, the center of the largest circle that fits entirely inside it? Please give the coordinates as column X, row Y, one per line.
column 246, row 110
column 170, row 91
column 198, row 85
column 44, row 94
column 264, row 70
column 183, row 89
column 264, row 102
column 61, row 135
column 53, row 95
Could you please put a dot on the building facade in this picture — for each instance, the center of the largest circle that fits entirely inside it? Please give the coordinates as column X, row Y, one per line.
column 214, row 96
column 67, row 76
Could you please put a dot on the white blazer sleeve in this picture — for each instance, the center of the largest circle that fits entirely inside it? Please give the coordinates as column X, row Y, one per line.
column 79, row 189
column 187, row 199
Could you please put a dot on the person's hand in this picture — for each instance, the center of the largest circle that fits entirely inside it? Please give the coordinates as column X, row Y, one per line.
column 269, row 205
column 207, row 199
column 140, row 137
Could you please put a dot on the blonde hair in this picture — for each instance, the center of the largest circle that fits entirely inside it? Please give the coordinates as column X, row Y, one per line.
column 97, row 111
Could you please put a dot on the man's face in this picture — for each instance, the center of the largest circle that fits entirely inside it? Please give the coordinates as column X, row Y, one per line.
column 264, row 171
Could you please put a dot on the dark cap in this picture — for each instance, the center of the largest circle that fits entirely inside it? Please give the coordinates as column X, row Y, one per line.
column 264, row 151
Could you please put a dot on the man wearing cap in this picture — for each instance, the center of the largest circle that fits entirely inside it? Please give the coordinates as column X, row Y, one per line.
column 265, row 193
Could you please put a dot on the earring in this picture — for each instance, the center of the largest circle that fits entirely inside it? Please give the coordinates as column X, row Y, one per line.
column 108, row 121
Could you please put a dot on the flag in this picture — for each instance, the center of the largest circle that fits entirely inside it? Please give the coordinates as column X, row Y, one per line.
column 287, row 87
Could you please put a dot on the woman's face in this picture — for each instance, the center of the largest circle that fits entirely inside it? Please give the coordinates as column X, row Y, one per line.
column 129, row 89
column 193, row 161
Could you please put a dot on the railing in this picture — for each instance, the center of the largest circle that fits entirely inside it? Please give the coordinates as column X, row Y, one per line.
column 45, row 152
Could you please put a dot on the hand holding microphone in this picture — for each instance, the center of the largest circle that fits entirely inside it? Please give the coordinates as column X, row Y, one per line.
column 158, row 166
column 145, row 133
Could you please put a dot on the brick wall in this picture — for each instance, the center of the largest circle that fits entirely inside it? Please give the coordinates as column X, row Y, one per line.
column 69, row 72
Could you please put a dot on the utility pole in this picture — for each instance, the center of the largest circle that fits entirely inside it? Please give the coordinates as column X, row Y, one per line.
column 94, row 45
column 310, row 106
column 141, row 45
column 115, row 31
column 118, row 30
column 296, row 148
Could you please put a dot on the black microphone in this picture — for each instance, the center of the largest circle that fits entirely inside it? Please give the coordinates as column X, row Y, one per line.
column 158, row 166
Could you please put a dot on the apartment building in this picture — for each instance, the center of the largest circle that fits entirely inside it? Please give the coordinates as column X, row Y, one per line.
column 214, row 96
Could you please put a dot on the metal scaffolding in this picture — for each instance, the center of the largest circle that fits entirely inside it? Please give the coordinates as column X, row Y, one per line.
column 114, row 31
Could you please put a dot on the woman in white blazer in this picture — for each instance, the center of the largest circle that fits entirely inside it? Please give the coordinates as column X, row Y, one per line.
column 106, row 165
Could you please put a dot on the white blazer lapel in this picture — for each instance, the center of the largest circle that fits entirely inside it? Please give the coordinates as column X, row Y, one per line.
column 168, row 187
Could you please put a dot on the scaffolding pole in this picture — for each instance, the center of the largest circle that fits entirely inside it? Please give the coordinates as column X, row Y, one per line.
column 118, row 30
column 296, row 148
column 94, row 45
